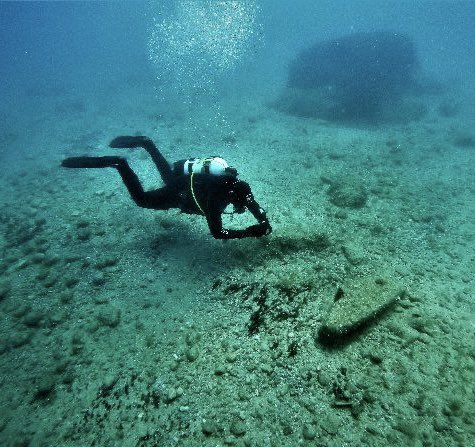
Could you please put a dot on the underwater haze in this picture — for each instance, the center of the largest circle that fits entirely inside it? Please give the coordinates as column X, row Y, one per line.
column 351, row 324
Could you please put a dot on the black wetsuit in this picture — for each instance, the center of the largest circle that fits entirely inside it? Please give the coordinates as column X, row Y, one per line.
column 198, row 194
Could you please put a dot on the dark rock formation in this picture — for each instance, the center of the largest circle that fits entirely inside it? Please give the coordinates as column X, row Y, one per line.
column 367, row 61
column 358, row 77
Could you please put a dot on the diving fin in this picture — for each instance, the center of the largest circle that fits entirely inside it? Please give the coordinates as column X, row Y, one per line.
column 130, row 142
column 91, row 162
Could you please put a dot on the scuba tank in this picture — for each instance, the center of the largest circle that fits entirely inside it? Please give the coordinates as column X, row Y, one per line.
column 209, row 165
column 212, row 166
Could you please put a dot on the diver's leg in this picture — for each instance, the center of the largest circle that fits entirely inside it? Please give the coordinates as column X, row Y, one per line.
column 130, row 179
column 160, row 199
column 140, row 141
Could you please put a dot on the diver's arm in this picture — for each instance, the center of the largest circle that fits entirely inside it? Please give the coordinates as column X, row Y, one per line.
column 215, row 225
column 255, row 209
column 262, row 228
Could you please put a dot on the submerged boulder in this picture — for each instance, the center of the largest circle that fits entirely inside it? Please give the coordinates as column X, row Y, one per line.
column 367, row 61
column 357, row 77
column 356, row 305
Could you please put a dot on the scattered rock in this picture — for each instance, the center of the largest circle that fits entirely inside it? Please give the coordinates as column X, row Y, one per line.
column 231, row 357
column 348, row 193
column 37, row 258
column 3, row 423
column 192, row 353
column 66, row 297
column 353, row 254
column 449, row 108
column 330, row 423
column 99, row 279
column 106, row 263
column 324, row 377
column 464, row 138
column 170, row 395
column 21, row 338
column 192, row 338
column 109, row 316
column 219, row 370
column 44, row 389
column 3, row 346
column 71, row 281
column 50, row 260
column 237, row 428
column 33, row 319
column 208, row 427
column 21, row 310
column 84, row 234
column 309, row 432
column 5, row 289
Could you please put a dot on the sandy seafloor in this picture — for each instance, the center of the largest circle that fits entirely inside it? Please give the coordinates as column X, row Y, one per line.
column 129, row 327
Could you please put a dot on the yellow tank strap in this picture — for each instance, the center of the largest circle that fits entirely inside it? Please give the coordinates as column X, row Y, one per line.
column 193, row 194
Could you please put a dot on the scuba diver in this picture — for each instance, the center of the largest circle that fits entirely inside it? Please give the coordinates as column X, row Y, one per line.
column 195, row 186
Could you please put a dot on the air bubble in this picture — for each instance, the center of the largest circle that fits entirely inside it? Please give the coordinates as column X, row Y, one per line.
column 194, row 45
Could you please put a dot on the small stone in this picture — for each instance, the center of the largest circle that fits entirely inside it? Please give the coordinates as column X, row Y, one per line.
column 5, row 288
column 68, row 377
column 287, row 429
column 37, row 258
column 44, row 389
column 109, row 382
column 330, row 423
column 192, row 338
column 50, row 260
column 170, row 395
column 219, row 370
column 348, row 193
column 340, row 214
column 50, row 282
column 42, row 274
column 70, row 281
column 237, row 428
column 21, row 310
column 324, row 377
column 66, row 297
column 243, row 395
column 231, row 357
column 192, row 354
column 33, row 318
column 101, row 299
column 309, row 432
column 84, row 234
column 19, row 339
column 353, row 254
column 99, row 279
column 109, row 317
column 208, row 428
column 82, row 223
column 266, row 368
column 106, row 263
column 173, row 365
